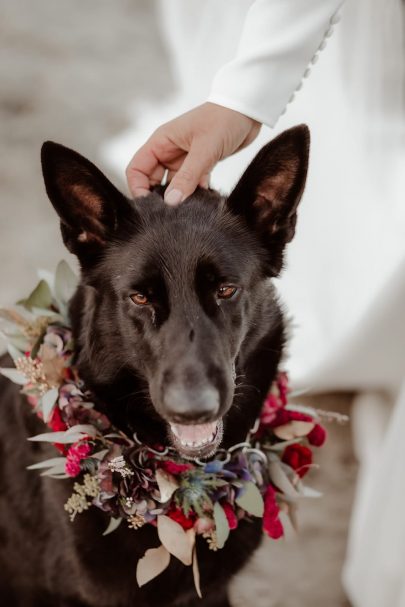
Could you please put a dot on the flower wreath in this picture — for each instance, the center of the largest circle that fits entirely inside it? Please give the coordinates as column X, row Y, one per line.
column 136, row 483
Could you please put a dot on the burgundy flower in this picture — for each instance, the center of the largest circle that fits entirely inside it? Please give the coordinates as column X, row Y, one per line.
column 298, row 457
column 271, row 521
column 317, row 436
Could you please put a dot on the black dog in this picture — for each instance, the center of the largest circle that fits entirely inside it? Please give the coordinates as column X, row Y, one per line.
column 179, row 335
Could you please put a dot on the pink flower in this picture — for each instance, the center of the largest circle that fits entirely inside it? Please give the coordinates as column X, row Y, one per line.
column 75, row 454
column 271, row 521
column 282, row 385
column 270, row 408
column 230, row 515
column 317, row 436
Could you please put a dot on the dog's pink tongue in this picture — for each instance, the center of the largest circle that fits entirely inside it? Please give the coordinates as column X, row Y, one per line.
column 197, row 435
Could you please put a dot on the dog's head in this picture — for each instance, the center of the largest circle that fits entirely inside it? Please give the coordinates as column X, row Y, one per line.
column 172, row 300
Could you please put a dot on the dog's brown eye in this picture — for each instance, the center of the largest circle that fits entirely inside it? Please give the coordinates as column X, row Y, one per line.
column 139, row 299
column 226, row 291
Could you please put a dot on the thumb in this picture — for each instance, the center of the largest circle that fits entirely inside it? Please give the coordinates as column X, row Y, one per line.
column 196, row 166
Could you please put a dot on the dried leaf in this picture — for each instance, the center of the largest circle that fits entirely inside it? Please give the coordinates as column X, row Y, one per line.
column 167, row 484
column 251, row 499
column 196, row 573
column 48, row 402
column 221, row 525
column 294, row 429
column 152, row 564
column 174, row 538
column 113, row 525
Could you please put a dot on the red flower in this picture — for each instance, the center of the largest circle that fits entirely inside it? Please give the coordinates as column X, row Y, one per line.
column 174, row 468
column 317, row 436
column 298, row 457
column 283, row 416
column 230, row 515
column 178, row 515
column 271, row 521
column 57, row 424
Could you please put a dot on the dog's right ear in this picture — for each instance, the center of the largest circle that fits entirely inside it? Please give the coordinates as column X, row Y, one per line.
column 88, row 204
column 269, row 191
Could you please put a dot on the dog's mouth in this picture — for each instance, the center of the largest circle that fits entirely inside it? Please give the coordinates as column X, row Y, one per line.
column 198, row 440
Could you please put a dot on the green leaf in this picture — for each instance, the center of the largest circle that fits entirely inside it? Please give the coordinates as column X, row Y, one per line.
column 48, row 403
column 251, row 499
column 66, row 282
column 16, row 376
column 41, row 297
column 113, row 525
column 221, row 525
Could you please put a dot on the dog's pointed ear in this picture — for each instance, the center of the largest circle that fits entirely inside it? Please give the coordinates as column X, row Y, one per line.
column 89, row 206
column 268, row 193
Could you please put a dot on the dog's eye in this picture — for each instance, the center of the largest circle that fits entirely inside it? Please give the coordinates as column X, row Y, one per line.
column 226, row 291
column 139, row 299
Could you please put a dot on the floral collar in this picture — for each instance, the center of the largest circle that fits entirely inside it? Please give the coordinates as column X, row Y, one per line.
column 135, row 483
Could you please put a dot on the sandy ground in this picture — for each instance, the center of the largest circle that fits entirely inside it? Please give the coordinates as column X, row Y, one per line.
column 68, row 71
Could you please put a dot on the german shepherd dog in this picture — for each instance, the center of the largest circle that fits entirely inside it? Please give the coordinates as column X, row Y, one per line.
column 178, row 334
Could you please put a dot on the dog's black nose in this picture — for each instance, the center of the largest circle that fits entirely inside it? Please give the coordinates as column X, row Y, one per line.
column 184, row 404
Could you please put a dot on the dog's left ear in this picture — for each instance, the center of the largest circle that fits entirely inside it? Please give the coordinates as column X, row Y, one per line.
column 89, row 206
column 268, row 193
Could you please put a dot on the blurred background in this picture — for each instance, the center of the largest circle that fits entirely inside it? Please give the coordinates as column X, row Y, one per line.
column 82, row 73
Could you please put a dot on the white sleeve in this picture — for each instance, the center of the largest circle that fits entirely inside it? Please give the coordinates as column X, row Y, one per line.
column 279, row 39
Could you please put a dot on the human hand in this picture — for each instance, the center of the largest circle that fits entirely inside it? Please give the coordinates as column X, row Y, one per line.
column 189, row 147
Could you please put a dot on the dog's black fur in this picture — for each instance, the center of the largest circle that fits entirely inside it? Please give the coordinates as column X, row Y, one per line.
column 182, row 341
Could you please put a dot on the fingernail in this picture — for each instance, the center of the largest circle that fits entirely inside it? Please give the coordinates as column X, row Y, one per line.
column 173, row 197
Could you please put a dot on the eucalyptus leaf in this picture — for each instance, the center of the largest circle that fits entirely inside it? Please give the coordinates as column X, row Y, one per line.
column 281, row 480
column 14, row 352
column 251, row 499
column 48, row 402
column 221, row 525
column 18, row 341
column 152, row 564
column 16, row 376
column 174, row 539
column 113, row 525
column 167, row 485
column 48, row 463
column 41, row 297
column 66, row 282
column 196, row 573
column 308, row 491
column 66, row 437
column 57, row 471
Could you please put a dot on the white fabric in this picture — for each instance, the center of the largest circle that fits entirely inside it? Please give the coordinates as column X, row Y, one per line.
column 345, row 279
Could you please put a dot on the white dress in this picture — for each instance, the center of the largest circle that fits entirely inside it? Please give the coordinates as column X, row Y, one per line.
column 345, row 279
